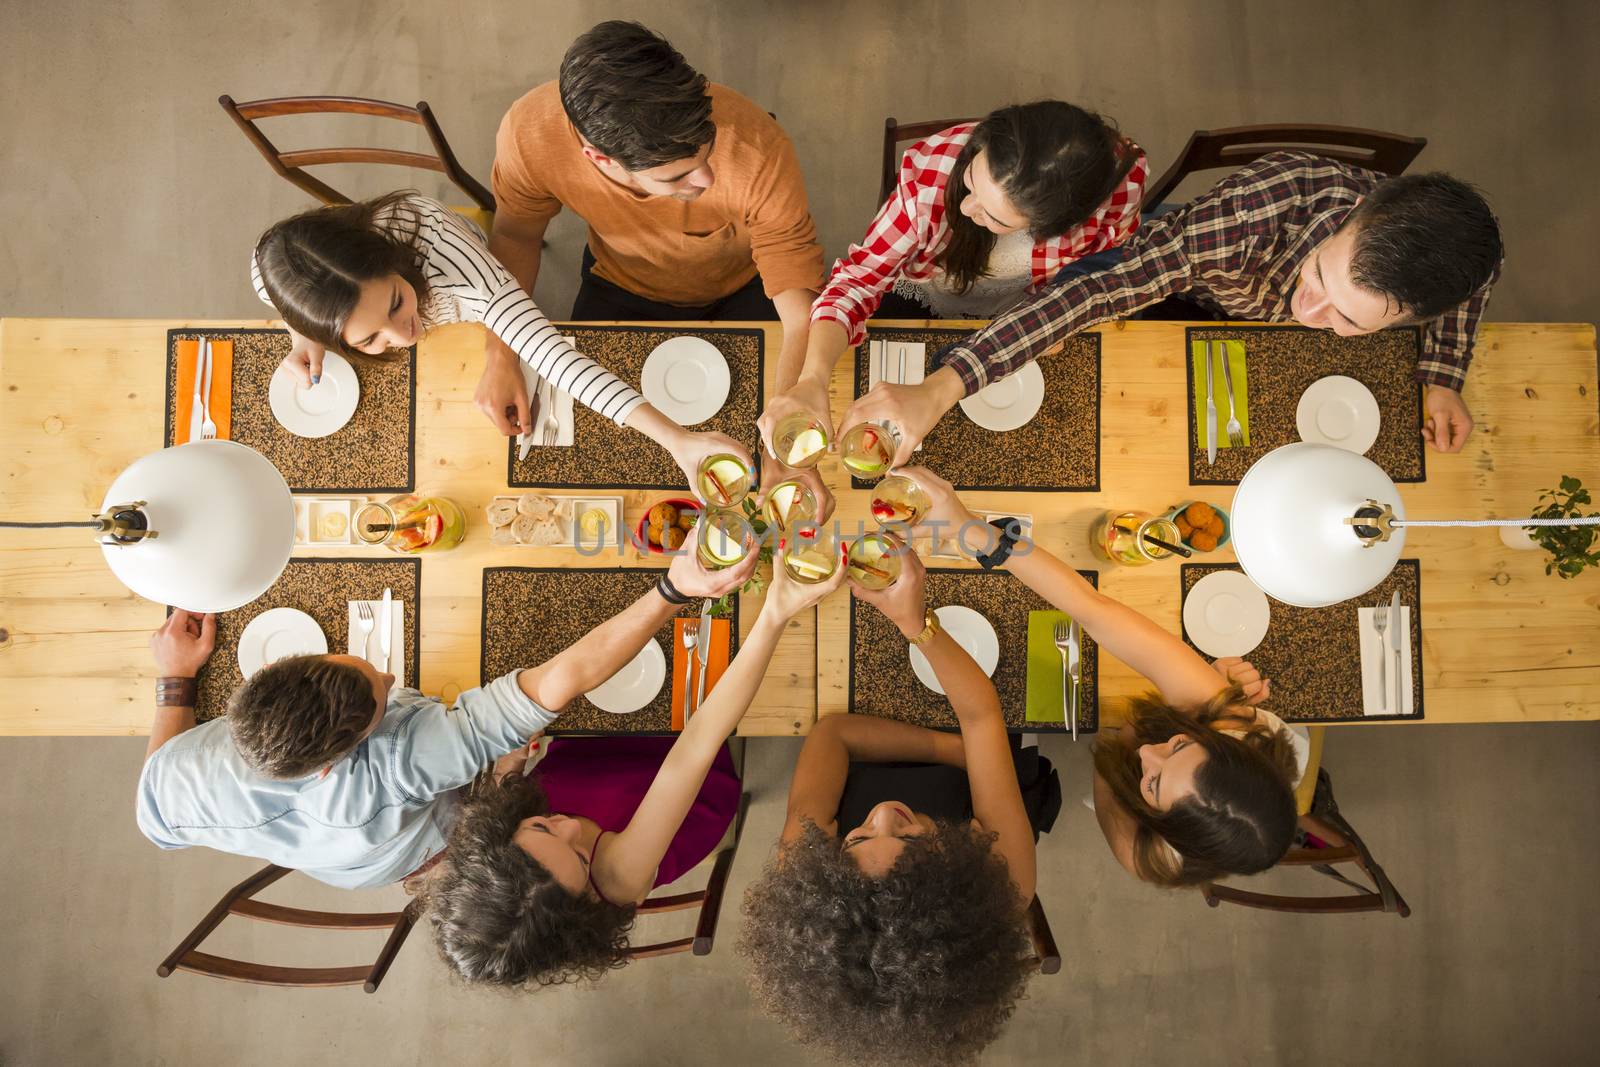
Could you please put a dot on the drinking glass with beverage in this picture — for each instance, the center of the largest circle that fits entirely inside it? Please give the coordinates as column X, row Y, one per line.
column 1128, row 538
column 790, row 504
column 723, row 480
column 799, row 440
column 875, row 559
column 724, row 539
column 867, row 449
column 411, row 523
column 899, row 499
column 811, row 554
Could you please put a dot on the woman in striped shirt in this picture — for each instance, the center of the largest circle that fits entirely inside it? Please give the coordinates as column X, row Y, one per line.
column 983, row 214
column 366, row 278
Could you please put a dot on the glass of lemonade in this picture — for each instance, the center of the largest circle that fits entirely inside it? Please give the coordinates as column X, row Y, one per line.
column 1119, row 537
column 867, row 449
column 811, row 554
column 799, row 440
column 790, row 504
column 411, row 523
column 899, row 499
column 723, row 480
column 874, row 560
column 724, row 537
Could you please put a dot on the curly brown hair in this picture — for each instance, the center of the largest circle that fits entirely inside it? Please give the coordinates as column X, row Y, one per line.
column 298, row 715
column 499, row 917
column 925, row 964
column 1241, row 817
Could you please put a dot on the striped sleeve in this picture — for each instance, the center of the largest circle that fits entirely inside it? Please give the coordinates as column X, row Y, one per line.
column 459, row 263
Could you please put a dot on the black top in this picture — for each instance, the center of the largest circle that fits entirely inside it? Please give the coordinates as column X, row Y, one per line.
column 943, row 792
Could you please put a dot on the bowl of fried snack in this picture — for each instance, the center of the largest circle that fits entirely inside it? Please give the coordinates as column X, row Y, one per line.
column 1203, row 527
column 666, row 525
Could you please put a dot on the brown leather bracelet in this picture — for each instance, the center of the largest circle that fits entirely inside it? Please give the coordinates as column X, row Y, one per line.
column 176, row 692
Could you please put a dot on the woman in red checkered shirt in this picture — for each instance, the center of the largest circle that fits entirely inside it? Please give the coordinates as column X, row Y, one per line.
column 983, row 214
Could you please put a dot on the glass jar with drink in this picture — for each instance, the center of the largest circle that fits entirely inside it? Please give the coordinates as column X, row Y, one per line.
column 810, row 554
column 875, row 559
column 1133, row 538
column 799, row 440
column 411, row 523
column 723, row 480
column 724, row 539
column 899, row 499
column 867, row 449
column 790, row 504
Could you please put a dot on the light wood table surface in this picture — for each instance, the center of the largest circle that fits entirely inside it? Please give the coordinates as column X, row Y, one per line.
column 81, row 399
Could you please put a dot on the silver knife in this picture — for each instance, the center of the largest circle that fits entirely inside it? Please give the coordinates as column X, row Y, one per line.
column 385, row 626
column 205, row 396
column 702, row 653
column 1211, row 411
column 1074, row 671
column 197, row 410
column 1395, row 630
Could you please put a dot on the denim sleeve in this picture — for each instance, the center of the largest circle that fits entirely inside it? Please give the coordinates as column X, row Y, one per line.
column 438, row 749
column 147, row 804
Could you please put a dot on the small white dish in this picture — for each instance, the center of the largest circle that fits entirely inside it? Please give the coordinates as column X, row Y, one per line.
column 687, row 378
column 328, row 522
column 1009, row 403
column 320, row 410
column 1339, row 411
column 1225, row 614
column 971, row 631
column 610, row 506
column 635, row 685
column 278, row 633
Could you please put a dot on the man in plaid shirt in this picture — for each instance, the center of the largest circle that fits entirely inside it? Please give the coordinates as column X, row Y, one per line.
column 1291, row 237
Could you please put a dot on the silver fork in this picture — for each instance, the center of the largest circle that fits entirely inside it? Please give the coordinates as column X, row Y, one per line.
column 552, row 424
column 365, row 622
column 1063, row 642
column 691, row 640
column 208, row 427
column 1235, row 431
column 1380, row 623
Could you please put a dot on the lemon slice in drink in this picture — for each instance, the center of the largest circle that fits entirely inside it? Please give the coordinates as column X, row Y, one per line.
column 807, row 443
column 720, row 545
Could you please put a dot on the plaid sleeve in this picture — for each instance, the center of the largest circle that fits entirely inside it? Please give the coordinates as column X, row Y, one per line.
column 1447, row 341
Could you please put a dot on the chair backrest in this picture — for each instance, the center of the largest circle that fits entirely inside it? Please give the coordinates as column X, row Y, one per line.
column 289, row 164
column 1386, row 153
column 894, row 134
column 239, row 901
column 707, row 900
column 1045, row 954
column 1342, row 845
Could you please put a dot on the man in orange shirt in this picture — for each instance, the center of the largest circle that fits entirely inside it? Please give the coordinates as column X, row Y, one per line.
column 693, row 195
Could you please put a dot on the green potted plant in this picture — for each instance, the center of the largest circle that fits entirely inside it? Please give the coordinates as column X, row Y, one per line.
column 1571, row 548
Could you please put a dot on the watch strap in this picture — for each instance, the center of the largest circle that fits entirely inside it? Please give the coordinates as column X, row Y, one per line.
column 1010, row 533
column 174, row 692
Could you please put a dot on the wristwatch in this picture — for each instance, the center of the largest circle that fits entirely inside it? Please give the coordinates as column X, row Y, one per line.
column 1010, row 533
column 176, row 692
column 930, row 626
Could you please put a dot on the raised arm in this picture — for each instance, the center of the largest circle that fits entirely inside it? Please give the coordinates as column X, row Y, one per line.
column 626, row 869
column 986, row 750
column 180, row 647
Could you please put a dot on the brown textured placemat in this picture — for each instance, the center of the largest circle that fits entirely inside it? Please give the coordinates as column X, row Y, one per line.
column 604, row 454
column 532, row 613
column 1313, row 655
column 1058, row 449
column 1282, row 362
column 883, row 684
column 375, row 452
column 323, row 589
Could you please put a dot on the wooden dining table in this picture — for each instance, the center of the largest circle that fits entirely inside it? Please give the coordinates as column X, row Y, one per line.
column 83, row 398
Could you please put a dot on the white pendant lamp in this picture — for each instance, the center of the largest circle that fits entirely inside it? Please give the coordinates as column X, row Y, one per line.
column 204, row 526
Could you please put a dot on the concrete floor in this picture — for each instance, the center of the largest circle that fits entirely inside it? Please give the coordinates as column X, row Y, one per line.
column 125, row 192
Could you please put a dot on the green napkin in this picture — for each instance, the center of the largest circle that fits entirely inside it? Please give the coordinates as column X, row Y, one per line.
column 1240, row 400
column 1044, row 667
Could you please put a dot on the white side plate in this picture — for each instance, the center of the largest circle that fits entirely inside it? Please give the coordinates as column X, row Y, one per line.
column 971, row 631
column 1338, row 411
column 687, row 378
column 1009, row 403
column 320, row 410
column 635, row 685
column 1225, row 614
column 276, row 634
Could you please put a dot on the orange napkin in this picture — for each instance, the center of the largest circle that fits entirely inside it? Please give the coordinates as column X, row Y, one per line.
column 716, row 663
column 221, row 388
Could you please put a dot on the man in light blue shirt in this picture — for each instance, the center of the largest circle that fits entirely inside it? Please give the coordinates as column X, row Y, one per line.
column 321, row 765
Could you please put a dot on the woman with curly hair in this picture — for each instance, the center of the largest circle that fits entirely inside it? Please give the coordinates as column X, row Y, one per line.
column 365, row 279
column 1200, row 783
column 542, row 875
column 891, row 925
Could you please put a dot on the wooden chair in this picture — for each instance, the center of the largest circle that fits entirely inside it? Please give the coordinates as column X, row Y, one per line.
column 894, row 135
column 239, row 901
column 1045, row 954
column 289, row 165
column 708, row 900
column 1344, row 846
column 1387, row 153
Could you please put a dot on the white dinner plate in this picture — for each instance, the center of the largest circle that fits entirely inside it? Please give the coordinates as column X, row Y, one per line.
column 1225, row 614
column 635, row 685
column 320, row 410
column 278, row 633
column 971, row 631
column 687, row 378
column 1338, row 411
column 1011, row 402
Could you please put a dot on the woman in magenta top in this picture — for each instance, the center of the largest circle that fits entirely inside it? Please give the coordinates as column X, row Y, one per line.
column 542, row 874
